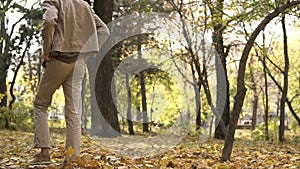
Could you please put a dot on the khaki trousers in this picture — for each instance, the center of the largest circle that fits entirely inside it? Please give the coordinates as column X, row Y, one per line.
column 69, row 76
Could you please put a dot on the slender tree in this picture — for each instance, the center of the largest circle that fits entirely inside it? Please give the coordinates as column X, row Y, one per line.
column 255, row 93
column 266, row 119
column 241, row 89
column 217, row 11
column 129, row 106
column 285, row 81
column 143, row 90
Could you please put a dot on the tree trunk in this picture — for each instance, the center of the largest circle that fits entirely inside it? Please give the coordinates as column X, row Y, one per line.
column 217, row 38
column 3, row 63
column 129, row 117
column 222, row 106
column 5, row 60
column 254, row 111
column 144, row 103
column 241, row 89
column 3, row 88
column 143, row 91
column 198, row 106
column 197, row 88
column 106, row 124
column 266, row 91
column 255, row 98
column 285, row 82
column 266, row 119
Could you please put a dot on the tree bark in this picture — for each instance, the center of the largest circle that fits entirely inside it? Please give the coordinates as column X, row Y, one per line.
column 266, row 90
column 266, row 119
column 197, row 88
column 255, row 98
column 3, row 62
column 285, row 82
column 198, row 105
column 218, row 42
column 129, row 117
column 241, row 89
column 106, row 124
column 143, row 90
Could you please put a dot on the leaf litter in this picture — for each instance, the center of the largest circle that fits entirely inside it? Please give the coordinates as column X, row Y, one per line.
column 16, row 149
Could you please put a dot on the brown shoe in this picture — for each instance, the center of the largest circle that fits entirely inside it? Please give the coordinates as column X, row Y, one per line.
column 40, row 159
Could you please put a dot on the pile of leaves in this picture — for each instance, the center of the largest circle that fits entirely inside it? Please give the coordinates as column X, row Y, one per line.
column 16, row 149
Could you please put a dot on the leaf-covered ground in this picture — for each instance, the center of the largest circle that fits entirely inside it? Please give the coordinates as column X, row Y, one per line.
column 16, row 149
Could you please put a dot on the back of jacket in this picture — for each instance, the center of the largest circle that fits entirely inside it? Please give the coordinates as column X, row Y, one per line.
column 71, row 26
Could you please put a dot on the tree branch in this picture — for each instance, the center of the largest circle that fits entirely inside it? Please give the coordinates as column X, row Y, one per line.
column 11, row 89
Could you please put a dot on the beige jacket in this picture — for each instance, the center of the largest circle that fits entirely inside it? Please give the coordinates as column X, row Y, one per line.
column 71, row 26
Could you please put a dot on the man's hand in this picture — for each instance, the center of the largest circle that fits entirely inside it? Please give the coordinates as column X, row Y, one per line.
column 46, row 57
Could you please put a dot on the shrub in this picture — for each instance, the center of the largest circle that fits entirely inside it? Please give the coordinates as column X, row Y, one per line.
column 19, row 118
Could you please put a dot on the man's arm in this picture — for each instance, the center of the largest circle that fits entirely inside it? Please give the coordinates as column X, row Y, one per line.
column 50, row 14
column 102, row 30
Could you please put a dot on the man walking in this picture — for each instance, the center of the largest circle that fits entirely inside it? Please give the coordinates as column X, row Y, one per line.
column 71, row 32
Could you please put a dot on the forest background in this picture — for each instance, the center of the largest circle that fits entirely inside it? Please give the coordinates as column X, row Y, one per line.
column 256, row 43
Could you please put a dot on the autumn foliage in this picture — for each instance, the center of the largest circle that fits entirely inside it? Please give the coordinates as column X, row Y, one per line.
column 16, row 149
